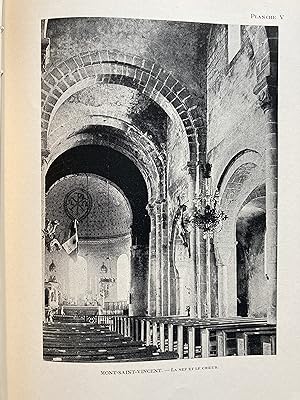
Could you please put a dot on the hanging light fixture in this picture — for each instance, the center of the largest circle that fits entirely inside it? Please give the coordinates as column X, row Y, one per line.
column 207, row 214
column 103, row 268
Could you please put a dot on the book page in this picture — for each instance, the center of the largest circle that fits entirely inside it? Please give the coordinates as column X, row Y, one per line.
column 168, row 118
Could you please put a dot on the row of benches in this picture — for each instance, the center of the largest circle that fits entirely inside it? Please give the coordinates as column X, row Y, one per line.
column 197, row 337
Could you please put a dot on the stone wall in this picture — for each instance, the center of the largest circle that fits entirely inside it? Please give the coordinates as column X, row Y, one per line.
column 173, row 45
column 235, row 121
column 236, row 142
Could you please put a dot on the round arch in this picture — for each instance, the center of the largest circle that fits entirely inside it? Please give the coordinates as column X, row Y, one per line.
column 109, row 67
column 112, row 165
column 128, row 142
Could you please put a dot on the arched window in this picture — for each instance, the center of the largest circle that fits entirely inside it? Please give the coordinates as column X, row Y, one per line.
column 123, row 278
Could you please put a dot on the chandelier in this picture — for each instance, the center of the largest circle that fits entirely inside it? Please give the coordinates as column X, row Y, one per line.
column 207, row 214
column 209, row 219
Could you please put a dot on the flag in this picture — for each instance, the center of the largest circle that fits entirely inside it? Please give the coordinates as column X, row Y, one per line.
column 71, row 245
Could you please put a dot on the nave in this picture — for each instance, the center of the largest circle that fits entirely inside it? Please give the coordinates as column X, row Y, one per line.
column 159, row 187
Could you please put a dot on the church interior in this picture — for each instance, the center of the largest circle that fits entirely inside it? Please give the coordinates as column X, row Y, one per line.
column 159, row 189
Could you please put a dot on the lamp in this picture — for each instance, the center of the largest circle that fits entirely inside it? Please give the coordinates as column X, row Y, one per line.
column 103, row 268
column 209, row 217
column 207, row 214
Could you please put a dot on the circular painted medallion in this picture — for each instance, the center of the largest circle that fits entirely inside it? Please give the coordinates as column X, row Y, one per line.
column 78, row 204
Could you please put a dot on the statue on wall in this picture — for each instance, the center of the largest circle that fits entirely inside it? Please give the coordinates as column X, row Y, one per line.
column 182, row 227
column 49, row 234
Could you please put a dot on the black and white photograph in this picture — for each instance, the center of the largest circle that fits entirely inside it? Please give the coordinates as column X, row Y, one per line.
column 159, row 166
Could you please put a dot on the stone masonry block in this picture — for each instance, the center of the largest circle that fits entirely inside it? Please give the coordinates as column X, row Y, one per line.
column 62, row 86
column 77, row 76
column 151, row 83
column 188, row 102
column 90, row 70
column 63, row 68
column 45, row 116
column 155, row 70
column 171, row 81
column 165, row 91
column 78, row 61
column 52, row 100
column 71, row 64
column 148, row 65
column 183, row 95
column 170, row 96
column 45, row 87
column 86, row 59
column 50, row 80
column 48, row 107
column 95, row 57
column 57, row 93
column 57, row 74
column 70, row 80
column 83, row 73
column 176, row 102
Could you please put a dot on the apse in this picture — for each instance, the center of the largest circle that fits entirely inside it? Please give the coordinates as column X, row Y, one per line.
column 111, row 164
column 104, row 231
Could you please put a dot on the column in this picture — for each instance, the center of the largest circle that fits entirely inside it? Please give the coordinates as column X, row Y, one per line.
column 139, row 273
column 193, row 254
column 152, row 262
column 208, row 275
column 200, row 259
column 164, row 259
column 267, row 97
column 222, row 284
column 202, row 312
column 158, row 275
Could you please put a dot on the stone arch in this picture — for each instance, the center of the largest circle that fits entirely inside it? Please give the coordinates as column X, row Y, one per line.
column 243, row 174
column 242, row 162
column 152, row 176
column 118, row 68
column 250, row 255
